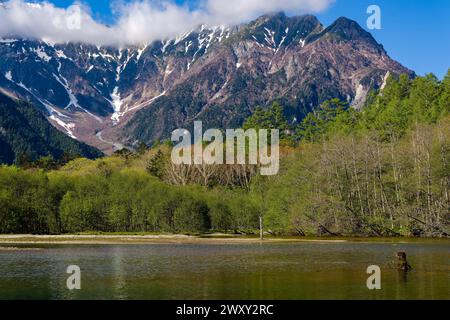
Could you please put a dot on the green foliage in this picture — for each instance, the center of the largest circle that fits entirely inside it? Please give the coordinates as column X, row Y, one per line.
column 82, row 208
column 191, row 215
column 384, row 171
column 26, row 202
column 157, row 165
column 389, row 113
column 333, row 115
column 273, row 118
column 142, row 148
column 404, row 103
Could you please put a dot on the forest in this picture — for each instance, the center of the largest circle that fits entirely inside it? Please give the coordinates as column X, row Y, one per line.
column 382, row 171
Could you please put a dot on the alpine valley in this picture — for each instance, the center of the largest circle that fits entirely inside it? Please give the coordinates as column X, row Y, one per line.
column 110, row 97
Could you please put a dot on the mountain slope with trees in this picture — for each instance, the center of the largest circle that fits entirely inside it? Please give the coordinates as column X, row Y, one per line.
column 26, row 135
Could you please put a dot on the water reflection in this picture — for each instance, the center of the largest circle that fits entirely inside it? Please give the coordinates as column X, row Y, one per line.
column 206, row 271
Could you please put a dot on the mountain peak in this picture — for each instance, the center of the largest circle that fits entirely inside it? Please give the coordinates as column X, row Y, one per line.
column 346, row 22
column 350, row 30
column 282, row 18
column 270, row 19
column 273, row 16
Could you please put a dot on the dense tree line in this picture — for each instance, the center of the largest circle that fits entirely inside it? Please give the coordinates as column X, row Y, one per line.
column 384, row 171
column 102, row 197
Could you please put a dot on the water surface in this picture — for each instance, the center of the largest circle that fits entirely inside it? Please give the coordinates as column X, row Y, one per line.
column 226, row 271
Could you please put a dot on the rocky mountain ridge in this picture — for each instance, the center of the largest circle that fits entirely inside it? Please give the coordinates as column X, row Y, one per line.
column 110, row 97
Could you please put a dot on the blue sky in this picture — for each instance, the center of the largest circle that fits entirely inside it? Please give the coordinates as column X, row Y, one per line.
column 416, row 33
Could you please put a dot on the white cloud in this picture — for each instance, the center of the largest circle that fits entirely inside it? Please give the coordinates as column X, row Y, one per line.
column 235, row 11
column 143, row 22
column 45, row 21
column 137, row 22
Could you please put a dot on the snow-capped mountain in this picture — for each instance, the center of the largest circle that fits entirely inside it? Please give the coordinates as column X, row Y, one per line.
column 108, row 96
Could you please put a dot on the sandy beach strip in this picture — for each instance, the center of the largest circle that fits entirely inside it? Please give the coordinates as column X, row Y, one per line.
column 142, row 239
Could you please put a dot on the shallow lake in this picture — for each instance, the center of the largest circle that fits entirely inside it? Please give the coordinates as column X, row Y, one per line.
column 226, row 271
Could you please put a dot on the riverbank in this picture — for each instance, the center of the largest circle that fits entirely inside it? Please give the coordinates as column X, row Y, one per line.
column 181, row 239
column 142, row 239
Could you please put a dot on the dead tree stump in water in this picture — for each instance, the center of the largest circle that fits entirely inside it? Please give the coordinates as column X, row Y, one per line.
column 403, row 264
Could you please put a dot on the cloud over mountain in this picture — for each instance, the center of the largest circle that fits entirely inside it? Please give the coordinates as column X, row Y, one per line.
column 136, row 21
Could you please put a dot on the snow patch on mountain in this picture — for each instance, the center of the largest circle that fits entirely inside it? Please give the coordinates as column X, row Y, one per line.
column 119, row 112
column 302, row 42
column 140, row 52
column 8, row 40
column 8, row 75
column 182, row 37
column 168, row 70
column 270, row 37
column 42, row 54
column 117, row 105
column 282, row 40
column 165, row 45
column 61, row 54
column 68, row 127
